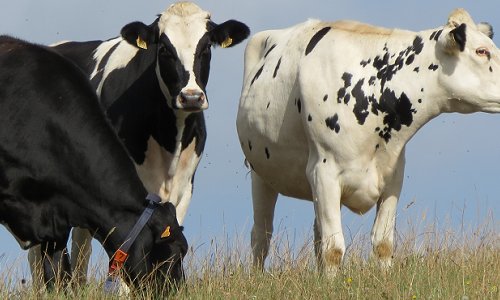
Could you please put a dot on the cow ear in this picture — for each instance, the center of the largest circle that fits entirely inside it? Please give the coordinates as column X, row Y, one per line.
column 458, row 36
column 166, row 227
column 485, row 28
column 229, row 33
column 139, row 34
column 455, row 40
column 169, row 234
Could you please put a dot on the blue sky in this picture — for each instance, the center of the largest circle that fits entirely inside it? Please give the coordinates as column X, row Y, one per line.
column 453, row 162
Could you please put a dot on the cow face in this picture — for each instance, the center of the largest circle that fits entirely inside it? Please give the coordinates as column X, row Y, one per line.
column 184, row 35
column 470, row 64
column 162, row 264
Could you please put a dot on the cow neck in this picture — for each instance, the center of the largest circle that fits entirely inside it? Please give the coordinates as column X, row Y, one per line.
column 181, row 117
column 112, row 226
column 122, row 253
column 428, row 99
column 114, row 194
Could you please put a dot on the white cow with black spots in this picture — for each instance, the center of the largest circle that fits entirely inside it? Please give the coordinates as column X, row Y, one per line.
column 328, row 107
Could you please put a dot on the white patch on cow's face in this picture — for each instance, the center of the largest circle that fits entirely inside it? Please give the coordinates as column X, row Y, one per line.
column 184, row 26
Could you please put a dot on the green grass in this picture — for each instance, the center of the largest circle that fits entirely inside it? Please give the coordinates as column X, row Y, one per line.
column 430, row 262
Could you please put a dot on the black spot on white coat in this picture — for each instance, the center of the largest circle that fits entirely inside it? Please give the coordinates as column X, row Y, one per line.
column 257, row 75
column 316, row 38
column 398, row 112
column 371, row 81
column 361, row 107
column 277, row 68
column 332, row 123
column 341, row 93
column 364, row 63
column 270, row 49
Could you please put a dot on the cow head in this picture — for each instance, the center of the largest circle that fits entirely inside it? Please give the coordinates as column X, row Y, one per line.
column 155, row 259
column 470, row 64
column 184, row 35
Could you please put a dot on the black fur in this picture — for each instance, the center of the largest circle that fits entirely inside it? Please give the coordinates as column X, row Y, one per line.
column 62, row 166
column 459, row 35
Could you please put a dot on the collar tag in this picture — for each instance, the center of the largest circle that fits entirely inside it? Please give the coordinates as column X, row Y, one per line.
column 118, row 262
column 121, row 253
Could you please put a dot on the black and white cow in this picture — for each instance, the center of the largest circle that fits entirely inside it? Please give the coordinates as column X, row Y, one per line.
column 62, row 166
column 328, row 107
column 151, row 83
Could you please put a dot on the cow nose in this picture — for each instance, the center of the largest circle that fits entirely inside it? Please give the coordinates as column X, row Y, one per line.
column 192, row 100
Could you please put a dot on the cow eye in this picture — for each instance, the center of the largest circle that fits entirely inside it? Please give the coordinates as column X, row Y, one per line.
column 163, row 51
column 483, row 51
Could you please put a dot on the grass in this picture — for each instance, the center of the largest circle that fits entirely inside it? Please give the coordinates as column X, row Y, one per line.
column 430, row 262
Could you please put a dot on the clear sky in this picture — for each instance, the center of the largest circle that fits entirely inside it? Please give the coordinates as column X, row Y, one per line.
column 453, row 162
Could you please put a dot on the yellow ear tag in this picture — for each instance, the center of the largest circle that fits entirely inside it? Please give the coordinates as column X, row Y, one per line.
column 227, row 42
column 166, row 233
column 141, row 44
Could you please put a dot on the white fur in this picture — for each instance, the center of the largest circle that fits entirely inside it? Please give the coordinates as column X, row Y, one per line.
column 310, row 161
column 120, row 57
column 184, row 23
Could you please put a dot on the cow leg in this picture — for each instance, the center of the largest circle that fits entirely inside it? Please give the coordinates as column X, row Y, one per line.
column 382, row 235
column 329, row 238
column 317, row 238
column 35, row 262
column 81, row 249
column 264, row 202
column 56, row 266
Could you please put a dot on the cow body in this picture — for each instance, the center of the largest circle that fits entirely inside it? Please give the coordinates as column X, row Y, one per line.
column 151, row 83
column 62, row 166
column 328, row 107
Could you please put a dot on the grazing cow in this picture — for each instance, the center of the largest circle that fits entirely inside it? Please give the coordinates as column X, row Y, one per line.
column 328, row 107
column 62, row 166
column 151, row 83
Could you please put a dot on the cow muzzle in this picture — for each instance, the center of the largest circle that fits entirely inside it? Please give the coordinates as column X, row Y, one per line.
column 192, row 100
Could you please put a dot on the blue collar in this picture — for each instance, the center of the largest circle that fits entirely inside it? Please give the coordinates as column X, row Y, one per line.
column 121, row 254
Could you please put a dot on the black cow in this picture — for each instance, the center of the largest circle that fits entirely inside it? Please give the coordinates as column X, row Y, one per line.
column 151, row 83
column 62, row 166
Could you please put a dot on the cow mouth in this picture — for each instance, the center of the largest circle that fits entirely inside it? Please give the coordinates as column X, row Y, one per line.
column 191, row 109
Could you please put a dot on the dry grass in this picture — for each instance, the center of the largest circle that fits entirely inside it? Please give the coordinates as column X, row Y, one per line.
column 431, row 262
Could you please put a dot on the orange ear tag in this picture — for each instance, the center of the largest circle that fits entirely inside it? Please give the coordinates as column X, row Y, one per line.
column 166, row 233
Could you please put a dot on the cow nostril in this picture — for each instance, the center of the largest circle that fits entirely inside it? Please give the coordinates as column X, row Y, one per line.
column 188, row 97
column 192, row 99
